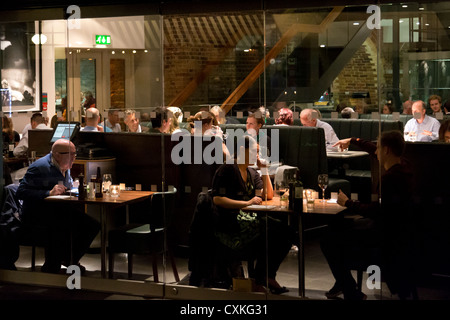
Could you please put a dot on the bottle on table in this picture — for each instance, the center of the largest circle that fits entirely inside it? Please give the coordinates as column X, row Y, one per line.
column 91, row 186
column 11, row 150
column 81, row 187
column 296, row 193
column 98, row 184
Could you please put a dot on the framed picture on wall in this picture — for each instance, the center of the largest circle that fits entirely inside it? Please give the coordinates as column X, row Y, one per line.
column 19, row 90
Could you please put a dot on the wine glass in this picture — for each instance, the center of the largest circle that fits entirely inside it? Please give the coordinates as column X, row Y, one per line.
column 107, row 181
column 281, row 189
column 323, row 183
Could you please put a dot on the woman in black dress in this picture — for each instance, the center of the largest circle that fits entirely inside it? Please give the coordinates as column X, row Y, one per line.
column 236, row 186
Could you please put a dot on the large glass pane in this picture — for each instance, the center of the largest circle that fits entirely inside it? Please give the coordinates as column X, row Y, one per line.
column 357, row 68
column 420, row 61
column 87, row 83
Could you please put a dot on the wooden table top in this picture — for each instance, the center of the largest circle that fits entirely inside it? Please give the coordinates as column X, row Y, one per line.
column 329, row 207
column 126, row 197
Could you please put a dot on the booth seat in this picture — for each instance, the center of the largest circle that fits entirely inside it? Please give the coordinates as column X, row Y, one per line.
column 404, row 118
column 431, row 205
column 367, row 129
column 301, row 147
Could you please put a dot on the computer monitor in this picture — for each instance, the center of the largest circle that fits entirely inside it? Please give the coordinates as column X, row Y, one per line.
column 65, row 130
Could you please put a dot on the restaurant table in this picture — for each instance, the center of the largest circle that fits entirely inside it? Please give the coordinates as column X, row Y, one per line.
column 15, row 163
column 346, row 154
column 340, row 157
column 330, row 207
column 106, row 203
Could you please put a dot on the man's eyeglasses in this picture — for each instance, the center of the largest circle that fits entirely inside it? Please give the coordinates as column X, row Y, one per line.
column 73, row 154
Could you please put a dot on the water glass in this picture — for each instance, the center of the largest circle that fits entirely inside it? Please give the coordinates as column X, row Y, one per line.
column 309, row 194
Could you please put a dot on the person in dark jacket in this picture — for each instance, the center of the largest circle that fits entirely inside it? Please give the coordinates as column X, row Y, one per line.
column 386, row 226
column 70, row 230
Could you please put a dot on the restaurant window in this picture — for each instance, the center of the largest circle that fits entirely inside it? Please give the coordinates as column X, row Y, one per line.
column 244, row 62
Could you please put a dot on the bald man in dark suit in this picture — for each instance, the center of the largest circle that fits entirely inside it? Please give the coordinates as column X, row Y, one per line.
column 70, row 230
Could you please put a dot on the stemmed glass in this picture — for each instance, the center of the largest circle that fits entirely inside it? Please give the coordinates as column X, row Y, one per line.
column 107, row 181
column 281, row 189
column 323, row 183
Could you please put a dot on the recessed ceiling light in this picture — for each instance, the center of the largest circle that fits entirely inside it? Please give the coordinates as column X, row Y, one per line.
column 356, row 23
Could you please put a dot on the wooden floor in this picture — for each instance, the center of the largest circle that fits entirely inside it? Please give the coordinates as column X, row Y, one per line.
column 318, row 278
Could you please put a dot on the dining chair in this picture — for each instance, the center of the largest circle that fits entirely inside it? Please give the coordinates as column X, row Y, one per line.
column 19, row 234
column 153, row 237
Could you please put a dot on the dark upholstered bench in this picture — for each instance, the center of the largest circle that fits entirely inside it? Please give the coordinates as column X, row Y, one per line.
column 367, row 129
column 304, row 148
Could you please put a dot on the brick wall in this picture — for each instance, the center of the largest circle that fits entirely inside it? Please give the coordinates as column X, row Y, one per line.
column 192, row 44
column 359, row 75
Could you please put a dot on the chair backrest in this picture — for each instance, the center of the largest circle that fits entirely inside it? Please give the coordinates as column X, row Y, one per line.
column 11, row 205
column 162, row 209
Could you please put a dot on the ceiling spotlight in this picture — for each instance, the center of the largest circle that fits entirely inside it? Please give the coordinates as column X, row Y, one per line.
column 322, row 46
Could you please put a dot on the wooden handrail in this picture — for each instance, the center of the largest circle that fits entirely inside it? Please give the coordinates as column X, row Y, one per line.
column 284, row 40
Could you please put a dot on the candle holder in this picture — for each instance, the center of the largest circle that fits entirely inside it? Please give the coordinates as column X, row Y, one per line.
column 114, row 191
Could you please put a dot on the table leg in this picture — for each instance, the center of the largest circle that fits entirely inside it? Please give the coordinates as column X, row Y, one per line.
column 301, row 259
column 103, row 241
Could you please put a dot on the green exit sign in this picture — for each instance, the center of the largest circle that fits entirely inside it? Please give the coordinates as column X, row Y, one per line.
column 103, row 39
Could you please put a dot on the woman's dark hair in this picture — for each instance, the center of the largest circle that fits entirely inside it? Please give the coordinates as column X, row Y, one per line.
column 161, row 114
column 445, row 126
column 394, row 141
column 247, row 141
column 203, row 116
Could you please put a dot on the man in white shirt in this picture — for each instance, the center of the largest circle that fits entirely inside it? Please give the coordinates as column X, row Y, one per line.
column 309, row 118
column 421, row 127
column 92, row 118
column 112, row 122
column 37, row 122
